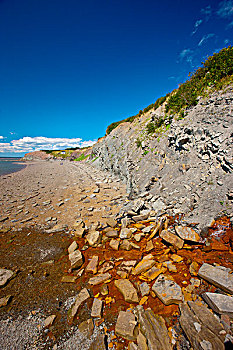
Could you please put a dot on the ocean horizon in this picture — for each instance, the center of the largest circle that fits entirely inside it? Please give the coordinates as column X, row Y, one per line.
column 10, row 165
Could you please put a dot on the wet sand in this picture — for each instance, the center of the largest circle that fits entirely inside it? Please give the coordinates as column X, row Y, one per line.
column 50, row 193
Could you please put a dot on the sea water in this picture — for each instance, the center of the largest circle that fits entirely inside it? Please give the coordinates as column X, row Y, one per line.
column 10, row 165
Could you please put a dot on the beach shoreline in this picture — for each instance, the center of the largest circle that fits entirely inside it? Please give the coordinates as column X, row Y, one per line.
column 49, row 193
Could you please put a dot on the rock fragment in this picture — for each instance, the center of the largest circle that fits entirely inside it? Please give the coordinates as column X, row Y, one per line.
column 143, row 266
column 125, row 325
column 72, row 247
column 49, row 321
column 97, row 306
column 127, row 289
column 187, row 233
column 93, row 264
column 114, row 244
column 172, row 239
column 76, row 259
column 80, row 298
column 5, row 300
column 93, row 238
column 218, row 276
column 167, row 290
column 5, row 276
column 101, row 278
column 220, row 303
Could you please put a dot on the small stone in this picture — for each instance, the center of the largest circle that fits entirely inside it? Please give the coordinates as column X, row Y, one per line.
column 76, row 259
column 193, row 268
column 126, row 245
column 72, row 247
column 97, row 306
column 111, row 222
column 138, row 237
column 5, row 276
column 127, row 289
column 101, row 278
column 104, row 289
column 143, row 266
column 5, row 300
column 93, row 264
column 172, row 239
column 68, row 279
column 167, row 290
column 169, row 266
column 93, row 238
column 125, row 233
column 176, row 258
column 111, row 234
column 149, row 246
column 49, row 321
column 154, row 272
column 79, row 232
column 144, row 289
column 114, row 244
column 125, row 325
column 187, row 233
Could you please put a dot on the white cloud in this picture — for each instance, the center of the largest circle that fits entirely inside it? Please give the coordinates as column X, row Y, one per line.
column 30, row 144
column 1, row 137
column 225, row 8
column 196, row 25
column 187, row 55
column 207, row 12
column 205, row 38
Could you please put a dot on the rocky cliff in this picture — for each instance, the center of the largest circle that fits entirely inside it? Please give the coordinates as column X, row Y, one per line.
column 185, row 167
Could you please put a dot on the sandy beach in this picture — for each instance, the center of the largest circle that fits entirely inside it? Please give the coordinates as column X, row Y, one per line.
column 49, row 193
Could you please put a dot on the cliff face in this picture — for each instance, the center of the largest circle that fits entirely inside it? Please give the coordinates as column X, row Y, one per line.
column 185, row 167
column 37, row 155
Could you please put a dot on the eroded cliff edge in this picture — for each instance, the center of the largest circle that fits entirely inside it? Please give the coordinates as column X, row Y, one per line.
column 184, row 167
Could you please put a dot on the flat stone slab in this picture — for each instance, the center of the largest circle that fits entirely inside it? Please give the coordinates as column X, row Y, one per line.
column 167, row 290
column 102, row 277
column 143, row 266
column 218, row 276
column 154, row 272
column 76, row 259
column 174, row 240
column 97, row 307
column 220, row 303
column 125, row 325
column 187, row 233
column 5, row 275
column 127, row 289
column 144, row 289
column 80, row 298
column 93, row 264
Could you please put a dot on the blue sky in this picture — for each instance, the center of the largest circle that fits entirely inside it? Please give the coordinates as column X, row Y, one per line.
column 69, row 68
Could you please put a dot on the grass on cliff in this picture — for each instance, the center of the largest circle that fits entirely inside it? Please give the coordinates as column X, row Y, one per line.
column 215, row 73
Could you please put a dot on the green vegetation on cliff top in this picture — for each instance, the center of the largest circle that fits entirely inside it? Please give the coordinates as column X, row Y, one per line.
column 215, row 72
